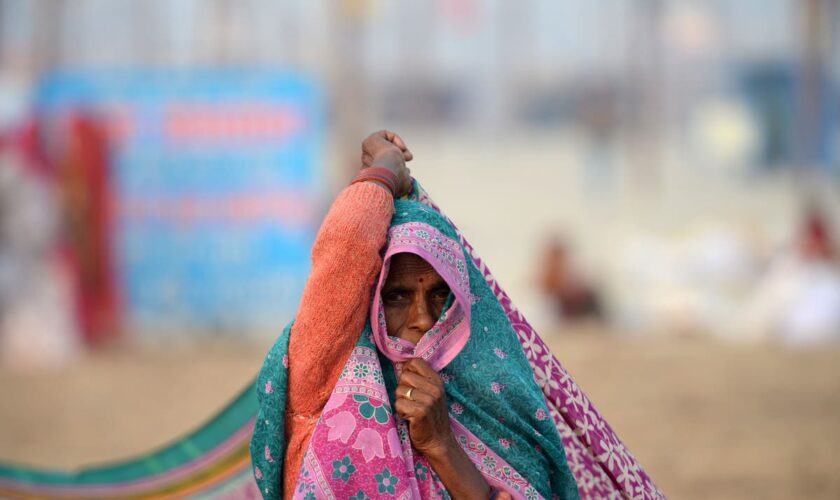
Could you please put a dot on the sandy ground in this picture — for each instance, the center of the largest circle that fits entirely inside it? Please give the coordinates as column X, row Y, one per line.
column 707, row 420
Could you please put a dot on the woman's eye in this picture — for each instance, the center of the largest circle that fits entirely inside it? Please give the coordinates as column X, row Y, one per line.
column 393, row 298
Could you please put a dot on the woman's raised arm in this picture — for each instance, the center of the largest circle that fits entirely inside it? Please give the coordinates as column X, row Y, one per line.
column 335, row 301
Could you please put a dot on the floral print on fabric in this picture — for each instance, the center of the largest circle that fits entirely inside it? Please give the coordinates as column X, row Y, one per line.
column 420, row 471
column 380, row 461
column 373, row 409
column 343, row 469
column 494, row 468
column 358, row 414
column 387, row 482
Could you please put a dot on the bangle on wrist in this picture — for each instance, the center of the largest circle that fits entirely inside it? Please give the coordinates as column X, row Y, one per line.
column 378, row 174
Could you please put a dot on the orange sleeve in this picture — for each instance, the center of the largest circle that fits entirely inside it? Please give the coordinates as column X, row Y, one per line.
column 345, row 264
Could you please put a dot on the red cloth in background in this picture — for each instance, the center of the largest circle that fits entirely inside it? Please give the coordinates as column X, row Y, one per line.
column 84, row 184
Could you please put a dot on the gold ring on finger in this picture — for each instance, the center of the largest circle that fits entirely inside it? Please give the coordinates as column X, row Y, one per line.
column 408, row 394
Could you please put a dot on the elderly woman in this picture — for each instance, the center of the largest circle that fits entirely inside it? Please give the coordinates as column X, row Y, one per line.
column 402, row 374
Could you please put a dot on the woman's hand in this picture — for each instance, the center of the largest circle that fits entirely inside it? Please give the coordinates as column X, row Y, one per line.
column 421, row 400
column 387, row 149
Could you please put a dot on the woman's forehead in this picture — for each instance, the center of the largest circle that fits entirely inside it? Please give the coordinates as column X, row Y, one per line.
column 408, row 265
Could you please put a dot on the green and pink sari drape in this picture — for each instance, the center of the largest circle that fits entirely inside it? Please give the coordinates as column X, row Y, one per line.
column 515, row 411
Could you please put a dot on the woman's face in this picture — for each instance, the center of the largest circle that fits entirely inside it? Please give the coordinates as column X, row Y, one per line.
column 413, row 297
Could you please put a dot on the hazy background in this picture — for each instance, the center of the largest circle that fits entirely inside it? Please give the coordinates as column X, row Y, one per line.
column 655, row 183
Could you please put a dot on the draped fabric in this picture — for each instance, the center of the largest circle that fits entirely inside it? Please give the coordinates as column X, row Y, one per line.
column 602, row 466
column 213, row 462
column 483, row 378
column 359, row 449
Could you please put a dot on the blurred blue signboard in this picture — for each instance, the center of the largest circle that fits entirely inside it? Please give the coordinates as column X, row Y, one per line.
column 216, row 179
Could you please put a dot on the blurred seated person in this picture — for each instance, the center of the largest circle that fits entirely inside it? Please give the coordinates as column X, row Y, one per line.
column 569, row 294
column 798, row 298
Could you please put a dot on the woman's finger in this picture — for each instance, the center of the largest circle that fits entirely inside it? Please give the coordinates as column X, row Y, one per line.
column 410, row 410
column 416, row 394
column 423, row 368
column 387, row 135
column 421, row 383
column 396, row 140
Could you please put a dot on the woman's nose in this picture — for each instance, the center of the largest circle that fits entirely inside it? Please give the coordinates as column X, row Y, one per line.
column 421, row 318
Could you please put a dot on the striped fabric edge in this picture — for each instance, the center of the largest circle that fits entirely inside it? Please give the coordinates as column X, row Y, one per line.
column 204, row 459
